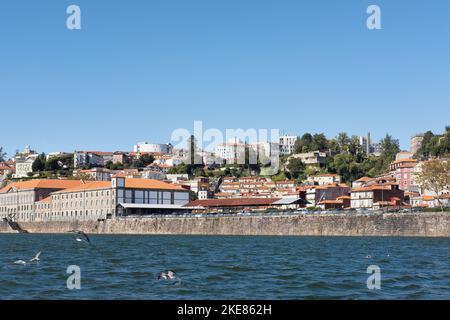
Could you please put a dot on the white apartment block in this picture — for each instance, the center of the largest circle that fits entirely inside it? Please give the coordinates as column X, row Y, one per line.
column 153, row 148
column 287, row 144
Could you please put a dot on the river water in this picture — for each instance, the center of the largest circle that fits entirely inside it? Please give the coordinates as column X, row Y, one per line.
column 224, row 267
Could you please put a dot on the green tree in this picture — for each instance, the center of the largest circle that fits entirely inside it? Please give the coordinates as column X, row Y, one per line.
column 344, row 142
column 39, row 163
column 426, row 145
column 199, row 172
column 319, row 142
column 354, row 147
column 52, row 164
column 435, row 176
column 295, row 167
column 146, row 159
column 143, row 161
column 333, row 147
column 2, row 155
column 303, row 144
column 389, row 149
column 346, row 166
column 109, row 165
column 281, row 176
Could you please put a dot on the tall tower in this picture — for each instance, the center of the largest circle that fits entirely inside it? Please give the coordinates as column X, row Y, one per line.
column 416, row 142
column 368, row 143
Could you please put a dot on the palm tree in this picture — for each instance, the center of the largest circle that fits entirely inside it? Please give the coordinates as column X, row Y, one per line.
column 343, row 141
column 2, row 155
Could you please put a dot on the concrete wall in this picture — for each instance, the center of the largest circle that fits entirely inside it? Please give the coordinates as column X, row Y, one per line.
column 423, row 225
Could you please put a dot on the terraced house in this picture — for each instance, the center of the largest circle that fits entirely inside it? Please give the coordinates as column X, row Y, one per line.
column 78, row 200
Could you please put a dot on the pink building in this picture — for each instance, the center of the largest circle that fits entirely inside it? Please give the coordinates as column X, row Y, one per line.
column 403, row 171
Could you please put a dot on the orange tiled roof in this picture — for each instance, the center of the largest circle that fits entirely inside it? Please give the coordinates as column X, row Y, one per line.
column 330, row 202
column 42, row 184
column 134, row 183
column 373, row 188
column 99, row 153
column 404, row 160
column 45, row 200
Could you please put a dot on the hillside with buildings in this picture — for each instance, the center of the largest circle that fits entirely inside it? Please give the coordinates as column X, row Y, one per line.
column 315, row 173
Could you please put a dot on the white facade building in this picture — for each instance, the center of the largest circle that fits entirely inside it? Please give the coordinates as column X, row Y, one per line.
column 287, row 144
column 153, row 147
column 233, row 151
column 23, row 167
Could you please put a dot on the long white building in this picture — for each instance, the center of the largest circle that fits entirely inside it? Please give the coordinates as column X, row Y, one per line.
column 153, row 148
column 67, row 200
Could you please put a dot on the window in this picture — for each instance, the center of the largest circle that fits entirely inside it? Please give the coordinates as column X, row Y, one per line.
column 152, row 197
column 166, row 197
column 181, row 198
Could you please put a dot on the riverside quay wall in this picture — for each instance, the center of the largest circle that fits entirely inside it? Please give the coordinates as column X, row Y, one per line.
column 392, row 224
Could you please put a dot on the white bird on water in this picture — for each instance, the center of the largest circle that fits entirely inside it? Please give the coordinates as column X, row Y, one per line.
column 165, row 276
column 36, row 259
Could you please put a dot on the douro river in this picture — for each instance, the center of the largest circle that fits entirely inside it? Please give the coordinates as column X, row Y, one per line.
column 223, row 267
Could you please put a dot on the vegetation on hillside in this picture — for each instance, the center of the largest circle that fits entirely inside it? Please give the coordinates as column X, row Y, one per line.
column 2, row 155
column 435, row 145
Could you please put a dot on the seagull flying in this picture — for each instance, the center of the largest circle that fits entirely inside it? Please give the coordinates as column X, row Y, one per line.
column 36, row 257
column 86, row 238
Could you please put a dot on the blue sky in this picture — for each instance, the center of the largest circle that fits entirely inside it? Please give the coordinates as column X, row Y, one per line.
column 137, row 70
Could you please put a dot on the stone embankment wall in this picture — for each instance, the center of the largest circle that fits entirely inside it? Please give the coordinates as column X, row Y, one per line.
column 421, row 224
column 5, row 228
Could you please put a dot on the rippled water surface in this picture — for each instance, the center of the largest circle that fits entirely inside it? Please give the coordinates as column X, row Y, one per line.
column 126, row 267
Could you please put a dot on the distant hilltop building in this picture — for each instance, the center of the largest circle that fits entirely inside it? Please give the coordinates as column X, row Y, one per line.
column 416, row 142
column 24, row 162
column 313, row 158
column 287, row 143
column 146, row 147
column 368, row 146
column 91, row 158
column 324, row 179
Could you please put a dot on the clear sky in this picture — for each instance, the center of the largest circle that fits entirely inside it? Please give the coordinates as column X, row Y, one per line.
column 137, row 70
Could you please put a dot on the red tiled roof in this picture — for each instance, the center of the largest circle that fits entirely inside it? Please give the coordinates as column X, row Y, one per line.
column 45, row 200
column 42, row 184
column 133, row 183
column 364, row 179
column 386, row 186
column 100, row 153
